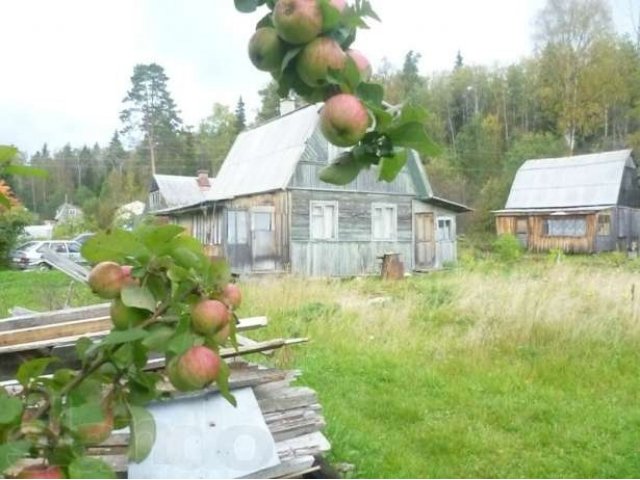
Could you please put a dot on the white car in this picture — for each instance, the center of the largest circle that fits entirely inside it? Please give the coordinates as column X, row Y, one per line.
column 29, row 255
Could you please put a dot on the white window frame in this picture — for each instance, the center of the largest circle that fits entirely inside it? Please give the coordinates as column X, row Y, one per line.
column 393, row 234
column 236, row 236
column 324, row 204
column 451, row 229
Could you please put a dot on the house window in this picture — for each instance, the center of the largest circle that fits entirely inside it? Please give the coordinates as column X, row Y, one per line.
column 384, row 221
column 445, row 230
column 237, row 227
column 604, row 224
column 565, row 227
column 324, row 220
column 521, row 226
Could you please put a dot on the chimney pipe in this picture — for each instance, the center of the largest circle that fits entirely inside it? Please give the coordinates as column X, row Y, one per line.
column 203, row 180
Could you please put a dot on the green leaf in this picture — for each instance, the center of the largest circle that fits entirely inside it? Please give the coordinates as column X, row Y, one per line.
column 218, row 272
column 143, row 433
column 352, row 74
column 117, row 337
column 390, row 167
column 187, row 252
column 83, row 346
column 123, row 356
column 10, row 410
column 371, row 94
column 289, row 56
column 25, row 171
column 89, row 467
column 11, row 452
column 156, row 238
column 4, row 201
column 246, row 6
column 412, row 113
column 139, row 297
column 223, row 384
column 89, row 391
column 82, row 415
column 413, row 135
column 266, row 21
column 117, row 246
column 181, row 342
column 343, row 171
column 33, row 368
column 158, row 338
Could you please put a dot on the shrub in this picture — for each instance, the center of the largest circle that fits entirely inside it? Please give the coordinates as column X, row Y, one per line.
column 508, row 248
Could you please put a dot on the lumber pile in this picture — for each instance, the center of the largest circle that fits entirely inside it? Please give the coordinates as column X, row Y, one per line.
column 291, row 413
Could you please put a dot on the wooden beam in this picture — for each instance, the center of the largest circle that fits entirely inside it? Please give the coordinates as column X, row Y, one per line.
column 37, row 337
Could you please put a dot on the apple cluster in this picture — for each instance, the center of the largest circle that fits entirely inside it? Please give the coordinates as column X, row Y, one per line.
column 299, row 45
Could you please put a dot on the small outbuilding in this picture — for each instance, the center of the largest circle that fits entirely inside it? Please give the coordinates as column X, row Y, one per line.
column 582, row 204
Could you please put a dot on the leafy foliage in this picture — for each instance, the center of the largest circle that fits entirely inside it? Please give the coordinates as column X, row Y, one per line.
column 54, row 418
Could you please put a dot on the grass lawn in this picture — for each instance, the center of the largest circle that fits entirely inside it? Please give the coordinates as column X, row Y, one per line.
column 481, row 371
column 41, row 291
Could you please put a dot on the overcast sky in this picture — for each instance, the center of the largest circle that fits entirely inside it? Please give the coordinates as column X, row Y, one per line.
column 66, row 64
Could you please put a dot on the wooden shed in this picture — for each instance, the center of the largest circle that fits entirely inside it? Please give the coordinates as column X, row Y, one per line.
column 268, row 211
column 583, row 204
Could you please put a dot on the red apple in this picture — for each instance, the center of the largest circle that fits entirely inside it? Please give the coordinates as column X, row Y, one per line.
column 231, row 295
column 364, row 67
column 297, row 21
column 317, row 58
column 195, row 369
column 209, row 316
column 344, row 120
column 41, row 471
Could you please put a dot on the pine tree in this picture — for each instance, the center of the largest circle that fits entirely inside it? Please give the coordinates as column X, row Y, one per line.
column 150, row 110
column 241, row 118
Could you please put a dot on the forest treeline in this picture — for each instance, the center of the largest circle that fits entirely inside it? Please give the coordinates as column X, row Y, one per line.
column 578, row 92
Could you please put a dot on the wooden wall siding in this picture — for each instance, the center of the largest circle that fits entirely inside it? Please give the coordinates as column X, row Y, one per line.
column 354, row 252
column 241, row 256
column 342, row 259
column 354, row 214
column 307, row 176
column 538, row 242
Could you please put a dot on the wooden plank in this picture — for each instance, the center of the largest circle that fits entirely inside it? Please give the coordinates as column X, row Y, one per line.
column 245, row 341
column 10, row 341
column 55, row 316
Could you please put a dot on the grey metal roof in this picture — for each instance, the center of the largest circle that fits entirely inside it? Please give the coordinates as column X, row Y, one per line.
column 579, row 181
column 263, row 159
column 179, row 190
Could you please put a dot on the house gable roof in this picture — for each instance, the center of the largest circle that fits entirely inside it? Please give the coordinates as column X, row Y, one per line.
column 263, row 159
column 579, row 181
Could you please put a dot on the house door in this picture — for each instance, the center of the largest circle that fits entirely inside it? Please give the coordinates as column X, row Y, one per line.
column 445, row 238
column 263, row 240
column 425, row 240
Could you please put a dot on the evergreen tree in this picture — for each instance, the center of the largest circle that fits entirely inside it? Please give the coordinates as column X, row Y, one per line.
column 150, row 111
column 241, row 118
column 270, row 103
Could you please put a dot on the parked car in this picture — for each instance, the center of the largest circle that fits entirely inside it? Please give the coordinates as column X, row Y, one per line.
column 29, row 255
column 83, row 237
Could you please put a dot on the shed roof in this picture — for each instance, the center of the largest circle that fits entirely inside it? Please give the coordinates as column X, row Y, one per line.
column 179, row 190
column 579, row 181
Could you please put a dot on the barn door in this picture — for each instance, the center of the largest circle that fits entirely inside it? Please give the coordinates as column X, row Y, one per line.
column 263, row 240
column 425, row 240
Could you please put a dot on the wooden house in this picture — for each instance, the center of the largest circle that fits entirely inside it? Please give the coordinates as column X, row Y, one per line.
column 586, row 203
column 269, row 212
column 68, row 213
column 169, row 191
